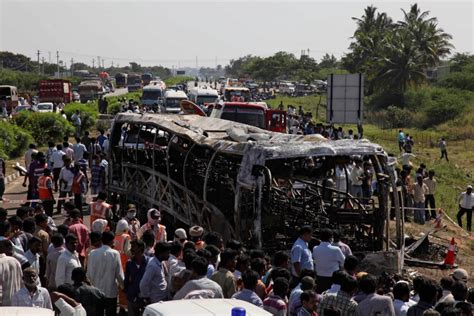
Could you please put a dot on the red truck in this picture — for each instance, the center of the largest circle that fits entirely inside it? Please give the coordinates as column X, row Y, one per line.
column 252, row 113
column 55, row 90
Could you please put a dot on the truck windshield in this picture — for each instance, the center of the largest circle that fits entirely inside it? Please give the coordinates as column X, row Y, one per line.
column 254, row 117
column 4, row 92
column 172, row 103
column 152, row 95
column 206, row 99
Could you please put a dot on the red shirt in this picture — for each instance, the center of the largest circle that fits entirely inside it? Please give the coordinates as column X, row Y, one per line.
column 82, row 233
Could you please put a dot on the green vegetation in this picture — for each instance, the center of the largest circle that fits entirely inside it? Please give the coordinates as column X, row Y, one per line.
column 14, row 140
column 177, row 79
column 25, row 81
column 309, row 104
column 88, row 113
column 44, row 127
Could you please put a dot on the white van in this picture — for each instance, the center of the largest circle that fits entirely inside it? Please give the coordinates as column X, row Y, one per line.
column 201, row 96
column 287, row 88
column 152, row 95
column 172, row 100
column 202, row 307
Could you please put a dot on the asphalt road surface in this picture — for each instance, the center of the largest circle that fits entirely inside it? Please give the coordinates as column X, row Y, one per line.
column 15, row 191
column 117, row 92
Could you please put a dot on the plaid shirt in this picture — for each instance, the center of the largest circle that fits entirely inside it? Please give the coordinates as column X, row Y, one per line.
column 96, row 176
column 340, row 301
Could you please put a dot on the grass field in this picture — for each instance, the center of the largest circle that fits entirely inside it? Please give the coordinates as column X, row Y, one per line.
column 452, row 176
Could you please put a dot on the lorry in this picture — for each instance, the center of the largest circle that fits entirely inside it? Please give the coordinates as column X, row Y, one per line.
column 9, row 95
column 146, row 78
column 152, row 95
column 171, row 101
column 202, row 96
column 121, row 80
column 251, row 113
column 134, row 82
column 90, row 89
column 55, row 90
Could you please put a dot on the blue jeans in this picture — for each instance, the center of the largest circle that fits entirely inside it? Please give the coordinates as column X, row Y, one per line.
column 420, row 214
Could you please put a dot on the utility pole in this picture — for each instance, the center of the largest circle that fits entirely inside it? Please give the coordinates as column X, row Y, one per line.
column 197, row 64
column 49, row 57
column 215, row 59
column 39, row 67
column 93, row 63
column 112, row 64
column 42, row 65
column 72, row 63
column 57, row 61
column 98, row 62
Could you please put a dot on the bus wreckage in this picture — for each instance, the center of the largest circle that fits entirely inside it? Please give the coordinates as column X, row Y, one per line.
column 254, row 185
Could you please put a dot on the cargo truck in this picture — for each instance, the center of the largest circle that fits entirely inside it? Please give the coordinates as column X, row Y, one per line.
column 55, row 90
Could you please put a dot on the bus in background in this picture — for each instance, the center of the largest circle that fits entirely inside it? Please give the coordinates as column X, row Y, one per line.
column 202, row 97
column 146, row 78
column 236, row 94
column 121, row 80
column 134, row 82
column 251, row 113
column 152, row 95
column 172, row 100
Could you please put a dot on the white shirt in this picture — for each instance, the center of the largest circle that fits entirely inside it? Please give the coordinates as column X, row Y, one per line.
column 79, row 150
column 40, row 298
column 57, row 158
column 301, row 253
column 34, row 261
column 327, row 259
column 355, row 174
column 341, row 179
column 52, row 263
column 67, row 176
column 67, row 262
column 10, row 278
column 28, row 154
column 67, row 310
column 406, row 158
column 401, row 307
column 104, row 270
column 466, row 200
column 202, row 283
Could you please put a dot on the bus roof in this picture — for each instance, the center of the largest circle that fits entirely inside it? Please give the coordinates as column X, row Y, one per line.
column 7, row 86
column 233, row 138
column 152, row 88
column 230, row 88
column 201, row 91
column 253, row 105
column 175, row 94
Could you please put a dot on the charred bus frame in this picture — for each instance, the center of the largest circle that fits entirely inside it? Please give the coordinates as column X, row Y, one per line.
column 250, row 184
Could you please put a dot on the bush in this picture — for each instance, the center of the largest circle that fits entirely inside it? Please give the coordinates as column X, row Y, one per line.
column 89, row 113
column 14, row 140
column 377, row 102
column 44, row 127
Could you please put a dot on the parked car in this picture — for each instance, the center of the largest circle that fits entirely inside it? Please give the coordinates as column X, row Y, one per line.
column 21, row 108
column 45, row 107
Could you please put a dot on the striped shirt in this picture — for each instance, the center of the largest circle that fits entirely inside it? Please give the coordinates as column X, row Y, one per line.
column 275, row 305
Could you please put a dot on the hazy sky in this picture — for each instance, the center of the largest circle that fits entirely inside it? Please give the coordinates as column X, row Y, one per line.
column 173, row 33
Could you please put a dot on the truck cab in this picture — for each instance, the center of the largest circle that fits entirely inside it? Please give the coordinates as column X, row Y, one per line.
column 172, row 100
column 152, row 95
column 202, row 97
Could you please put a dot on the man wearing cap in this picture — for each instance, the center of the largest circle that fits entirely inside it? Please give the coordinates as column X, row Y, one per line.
column 466, row 204
column 132, row 220
column 460, row 275
column 180, row 235
column 153, row 224
column 195, row 233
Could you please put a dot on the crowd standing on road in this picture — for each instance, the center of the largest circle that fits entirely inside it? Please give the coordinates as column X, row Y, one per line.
column 119, row 264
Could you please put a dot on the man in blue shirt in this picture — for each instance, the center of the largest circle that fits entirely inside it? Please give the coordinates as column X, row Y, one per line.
column 250, row 280
column 153, row 286
column 300, row 253
column 134, row 271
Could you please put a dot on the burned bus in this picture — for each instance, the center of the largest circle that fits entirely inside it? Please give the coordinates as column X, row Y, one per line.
column 251, row 184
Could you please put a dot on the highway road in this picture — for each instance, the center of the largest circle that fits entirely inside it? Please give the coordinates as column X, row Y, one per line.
column 15, row 192
column 117, row 92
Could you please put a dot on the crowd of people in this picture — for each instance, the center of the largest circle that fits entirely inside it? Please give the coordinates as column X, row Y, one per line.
column 79, row 271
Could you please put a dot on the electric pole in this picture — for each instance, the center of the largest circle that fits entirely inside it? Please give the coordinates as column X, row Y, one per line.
column 197, row 63
column 39, row 67
column 98, row 62
column 49, row 57
column 93, row 63
column 57, row 61
column 42, row 65
column 112, row 64
column 72, row 63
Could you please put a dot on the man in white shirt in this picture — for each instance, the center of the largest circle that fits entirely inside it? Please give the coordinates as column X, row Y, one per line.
column 79, row 149
column 10, row 273
column 328, row 259
column 356, row 178
column 57, row 248
column 104, row 270
column 29, row 152
column 68, row 261
column 406, row 159
column 401, row 295
column 32, row 295
column 66, row 177
column 58, row 164
column 33, row 254
column 466, row 204
column 68, row 151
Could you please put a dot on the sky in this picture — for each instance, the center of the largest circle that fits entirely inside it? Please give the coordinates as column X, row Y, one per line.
column 180, row 33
